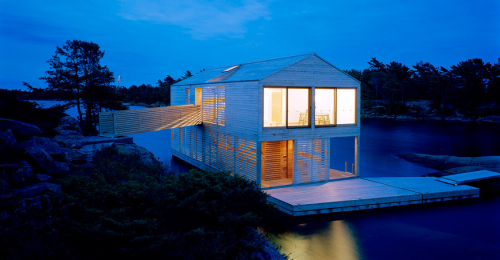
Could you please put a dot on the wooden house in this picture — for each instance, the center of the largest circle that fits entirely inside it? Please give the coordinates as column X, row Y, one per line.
column 270, row 121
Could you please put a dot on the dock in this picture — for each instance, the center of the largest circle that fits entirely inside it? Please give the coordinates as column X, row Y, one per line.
column 365, row 193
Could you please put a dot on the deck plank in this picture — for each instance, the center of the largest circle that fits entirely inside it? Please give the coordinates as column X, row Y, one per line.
column 472, row 176
column 361, row 194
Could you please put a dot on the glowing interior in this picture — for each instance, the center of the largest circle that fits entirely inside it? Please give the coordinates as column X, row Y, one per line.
column 325, row 103
column 274, row 107
column 346, row 106
column 298, row 107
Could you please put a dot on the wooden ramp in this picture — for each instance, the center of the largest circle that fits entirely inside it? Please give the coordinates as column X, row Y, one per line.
column 361, row 194
column 466, row 177
column 126, row 122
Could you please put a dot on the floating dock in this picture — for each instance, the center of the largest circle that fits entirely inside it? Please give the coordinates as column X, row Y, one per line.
column 365, row 193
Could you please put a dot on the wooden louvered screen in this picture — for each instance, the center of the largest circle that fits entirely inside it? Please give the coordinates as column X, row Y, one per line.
column 273, row 160
column 127, row 122
column 222, row 151
column 312, row 160
column 214, row 101
column 187, row 94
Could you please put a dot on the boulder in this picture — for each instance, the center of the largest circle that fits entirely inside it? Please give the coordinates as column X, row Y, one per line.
column 146, row 156
column 8, row 137
column 68, row 123
column 17, row 173
column 41, row 161
column 68, row 138
column 51, row 147
column 43, row 177
column 37, row 188
column 21, row 130
column 76, row 157
column 35, row 203
column 62, row 168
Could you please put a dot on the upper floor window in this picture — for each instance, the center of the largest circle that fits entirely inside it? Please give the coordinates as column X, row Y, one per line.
column 335, row 106
column 287, row 107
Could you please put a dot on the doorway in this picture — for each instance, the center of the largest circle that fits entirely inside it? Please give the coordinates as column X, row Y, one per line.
column 277, row 163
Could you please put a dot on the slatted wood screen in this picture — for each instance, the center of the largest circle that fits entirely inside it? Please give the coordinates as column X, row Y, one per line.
column 126, row 122
column 187, row 94
column 272, row 160
column 222, row 151
column 214, row 100
column 312, row 160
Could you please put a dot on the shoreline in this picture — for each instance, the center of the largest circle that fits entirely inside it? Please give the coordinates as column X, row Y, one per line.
column 488, row 120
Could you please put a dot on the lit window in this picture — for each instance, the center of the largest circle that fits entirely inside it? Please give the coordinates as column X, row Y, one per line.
column 298, row 107
column 346, row 106
column 286, row 107
column 325, row 107
column 274, row 107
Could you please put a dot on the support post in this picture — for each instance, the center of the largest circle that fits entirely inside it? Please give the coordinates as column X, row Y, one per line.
column 356, row 156
column 259, row 164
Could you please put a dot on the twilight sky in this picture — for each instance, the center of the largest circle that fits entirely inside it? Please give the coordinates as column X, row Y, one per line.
column 145, row 40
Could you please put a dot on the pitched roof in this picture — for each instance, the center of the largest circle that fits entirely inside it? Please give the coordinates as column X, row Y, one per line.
column 245, row 72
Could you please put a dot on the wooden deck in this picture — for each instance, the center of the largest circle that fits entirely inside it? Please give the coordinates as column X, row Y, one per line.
column 466, row 177
column 360, row 194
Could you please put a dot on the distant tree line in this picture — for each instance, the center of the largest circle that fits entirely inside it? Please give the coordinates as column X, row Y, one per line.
column 467, row 87
column 148, row 94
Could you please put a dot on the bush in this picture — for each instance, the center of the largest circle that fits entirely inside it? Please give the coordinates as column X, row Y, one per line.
column 45, row 118
column 127, row 209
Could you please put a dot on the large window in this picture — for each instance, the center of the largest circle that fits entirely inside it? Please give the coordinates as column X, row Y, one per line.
column 346, row 106
column 274, row 107
column 334, row 106
column 324, row 114
column 286, row 107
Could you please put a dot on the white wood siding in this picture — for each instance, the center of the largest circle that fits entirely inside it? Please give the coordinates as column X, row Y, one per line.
column 310, row 72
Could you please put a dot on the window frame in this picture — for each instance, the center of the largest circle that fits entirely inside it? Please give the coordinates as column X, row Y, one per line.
column 286, row 126
column 334, row 107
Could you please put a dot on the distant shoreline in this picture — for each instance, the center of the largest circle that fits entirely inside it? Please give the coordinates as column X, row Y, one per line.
column 488, row 120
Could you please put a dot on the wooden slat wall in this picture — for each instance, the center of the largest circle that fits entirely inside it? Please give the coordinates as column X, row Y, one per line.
column 272, row 158
column 310, row 72
column 214, row 99
column 312, row 160
column 126, row 122
column 187, row 96
column 222, row 151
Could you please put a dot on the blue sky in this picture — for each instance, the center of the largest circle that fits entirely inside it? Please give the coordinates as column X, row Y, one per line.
column 146, row 40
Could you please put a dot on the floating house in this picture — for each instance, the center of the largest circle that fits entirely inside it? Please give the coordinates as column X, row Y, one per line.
column 270, row 121
column 276, row 122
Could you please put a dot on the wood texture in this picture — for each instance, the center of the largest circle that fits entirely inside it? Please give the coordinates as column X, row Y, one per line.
column 312, row 160
column 361, row 194
column 126, row 122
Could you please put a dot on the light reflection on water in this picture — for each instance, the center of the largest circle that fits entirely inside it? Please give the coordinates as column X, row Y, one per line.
column 464, row 229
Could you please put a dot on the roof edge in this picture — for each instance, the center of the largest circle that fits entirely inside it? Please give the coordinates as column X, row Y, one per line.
column 347, row 74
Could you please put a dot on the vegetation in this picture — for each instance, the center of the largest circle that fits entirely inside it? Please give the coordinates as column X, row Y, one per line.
column 77, row 75
column 471, row 87
column 125, row 209
column 45, row 118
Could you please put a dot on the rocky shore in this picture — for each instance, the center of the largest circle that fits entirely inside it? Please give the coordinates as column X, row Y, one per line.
column 32, row 163
column 449, row 165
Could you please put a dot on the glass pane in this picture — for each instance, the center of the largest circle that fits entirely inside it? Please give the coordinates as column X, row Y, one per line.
column 324, row 102
column 298, row 107
column 274, row 107
column 346, row 106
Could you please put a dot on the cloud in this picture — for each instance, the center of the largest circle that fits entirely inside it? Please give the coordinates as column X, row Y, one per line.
column 201, row 18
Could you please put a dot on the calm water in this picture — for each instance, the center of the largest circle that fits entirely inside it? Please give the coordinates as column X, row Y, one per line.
column 468, row 229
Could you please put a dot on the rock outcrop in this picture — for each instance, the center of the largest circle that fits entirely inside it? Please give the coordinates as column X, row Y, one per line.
column 8, row 137
column 443, row 162
column 21, row 130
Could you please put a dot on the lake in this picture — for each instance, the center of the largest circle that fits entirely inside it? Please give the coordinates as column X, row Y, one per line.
column 464, row 229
